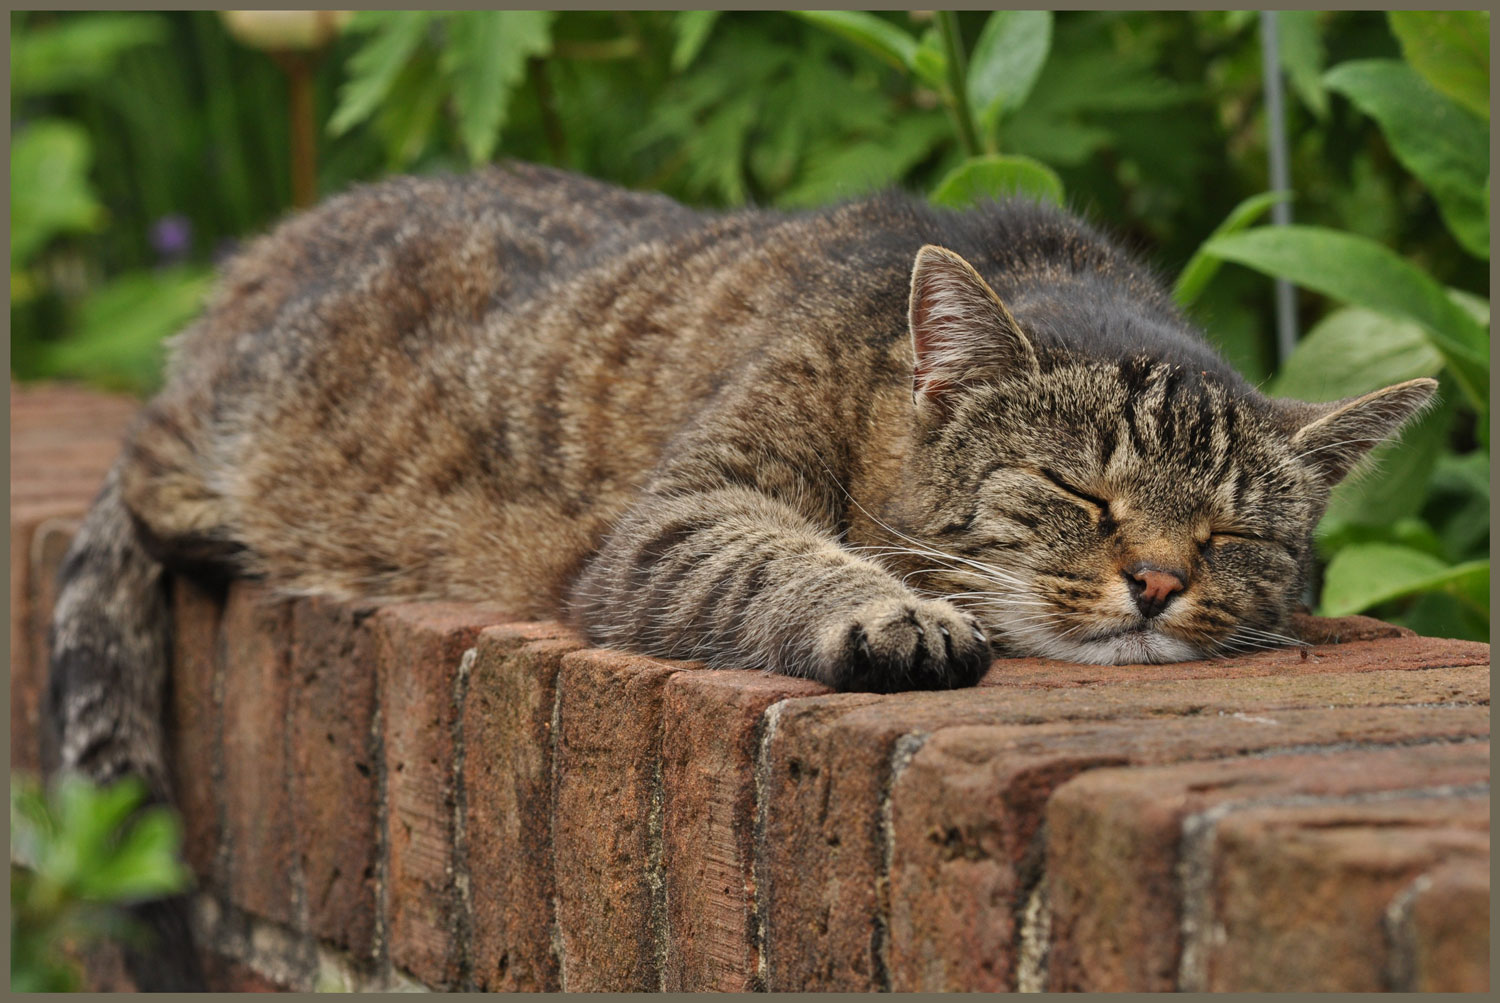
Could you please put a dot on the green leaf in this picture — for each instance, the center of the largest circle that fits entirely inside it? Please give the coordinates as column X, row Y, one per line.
column 50, row 193
column 408, row 116
column 1451, row 49
column 874, row 34
column 930, row 63
column 1353, row 351
column 117, row 342
column 68, row 54
column 852, row 169
column 1365, row 574
column 1201, row 267
column 1301, row 44
column 1006, row 61
column 691, row 28
column 373, row 69
column 1362, row 272
column 1435, row 138
column 995, row 177
column 484, row 59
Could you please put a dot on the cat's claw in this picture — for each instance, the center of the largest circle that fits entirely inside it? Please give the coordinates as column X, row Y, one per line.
column 894, row 645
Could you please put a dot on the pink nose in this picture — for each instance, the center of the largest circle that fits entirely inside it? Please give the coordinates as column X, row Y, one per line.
column 1157, row 585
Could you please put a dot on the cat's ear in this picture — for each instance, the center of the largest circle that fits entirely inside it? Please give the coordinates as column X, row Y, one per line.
column 1332, row 437
column 959, row 328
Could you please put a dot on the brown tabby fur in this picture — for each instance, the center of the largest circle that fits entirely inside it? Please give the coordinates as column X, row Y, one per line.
column 756, row 439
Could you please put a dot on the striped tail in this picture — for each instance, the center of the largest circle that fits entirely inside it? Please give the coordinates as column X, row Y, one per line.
column 104, row 715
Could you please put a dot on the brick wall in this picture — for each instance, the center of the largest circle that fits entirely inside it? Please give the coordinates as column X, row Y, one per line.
column 428, row 795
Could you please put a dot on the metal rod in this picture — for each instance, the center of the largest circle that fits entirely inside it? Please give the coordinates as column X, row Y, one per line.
column 1281, row 180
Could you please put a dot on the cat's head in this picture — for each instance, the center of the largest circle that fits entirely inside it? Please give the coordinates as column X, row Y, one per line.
column 1112, row 511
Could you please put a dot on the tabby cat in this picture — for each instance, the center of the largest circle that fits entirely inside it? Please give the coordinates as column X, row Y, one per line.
column 870, row 444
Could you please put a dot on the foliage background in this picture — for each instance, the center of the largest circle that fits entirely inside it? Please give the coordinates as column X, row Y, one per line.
column 146, row 145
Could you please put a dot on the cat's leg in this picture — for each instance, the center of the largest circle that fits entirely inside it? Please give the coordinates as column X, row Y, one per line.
column 737, row 578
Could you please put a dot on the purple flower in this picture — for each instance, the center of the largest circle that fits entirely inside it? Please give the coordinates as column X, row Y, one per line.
column 172, row 237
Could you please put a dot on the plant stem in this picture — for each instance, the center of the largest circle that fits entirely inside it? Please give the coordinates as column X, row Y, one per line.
column 958, row 72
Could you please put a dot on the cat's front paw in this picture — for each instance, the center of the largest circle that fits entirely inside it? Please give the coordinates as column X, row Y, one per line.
column 904, row 644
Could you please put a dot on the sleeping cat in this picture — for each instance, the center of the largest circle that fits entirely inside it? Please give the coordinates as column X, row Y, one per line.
column 870, row 444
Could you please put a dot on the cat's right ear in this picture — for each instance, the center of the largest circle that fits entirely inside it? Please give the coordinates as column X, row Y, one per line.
column 960, row 331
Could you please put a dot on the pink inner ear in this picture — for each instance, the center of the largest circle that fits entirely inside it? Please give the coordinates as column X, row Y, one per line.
column 949, row 316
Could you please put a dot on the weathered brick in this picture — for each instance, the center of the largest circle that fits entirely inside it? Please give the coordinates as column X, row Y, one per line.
column 607, row 838
column 966, row 811
column 1353, row 656
column 1440, row 930
column 333, row 792
column 419, row 653
column 1299, row 894
column 253, row 637
column 1116, row 838
column 710, row 747
column 1342, row 629
column 508, row 764
column 831, row 764
column 195, row 726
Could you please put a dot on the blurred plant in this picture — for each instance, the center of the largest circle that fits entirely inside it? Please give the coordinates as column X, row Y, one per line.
column 1410, row 539
column 79, row 854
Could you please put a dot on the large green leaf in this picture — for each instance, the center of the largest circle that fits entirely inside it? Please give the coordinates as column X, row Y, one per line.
column 1364, row 273
column 871, row 33
column 1366, row 574
column 994, row 177
column 1202, row 267
column 484, row 59
column 50, row 193
column 1006, row 60
column 1353, row 351
column 395, row 36
column 1451, row 49
column 1434, row 137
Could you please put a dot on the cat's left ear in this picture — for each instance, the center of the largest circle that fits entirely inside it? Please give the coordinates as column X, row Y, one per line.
column 959, row 329
column 1332, row 437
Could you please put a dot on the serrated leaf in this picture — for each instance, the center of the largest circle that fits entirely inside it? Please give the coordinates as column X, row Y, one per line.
column 1364, row 273
column 1434, row 137
column 408, row 116
column 1006, row 60
column 853, row 169
column 692, row 28
column 1366, row 574
column 1201, row 268
column 996, row 177
column 50, row 193
column 871, row 33
column 1451, row 50
column 394, row 37
column 484, row 59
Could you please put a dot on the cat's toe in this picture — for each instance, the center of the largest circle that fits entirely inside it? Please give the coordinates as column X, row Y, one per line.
column 907, row 645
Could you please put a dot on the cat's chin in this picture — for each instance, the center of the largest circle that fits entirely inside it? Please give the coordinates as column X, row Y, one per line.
column 1127, row 647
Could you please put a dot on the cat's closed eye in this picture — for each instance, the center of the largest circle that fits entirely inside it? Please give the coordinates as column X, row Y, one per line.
column 1100, row 503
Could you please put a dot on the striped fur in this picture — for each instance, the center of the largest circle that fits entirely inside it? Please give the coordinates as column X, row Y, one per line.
column 756, row 439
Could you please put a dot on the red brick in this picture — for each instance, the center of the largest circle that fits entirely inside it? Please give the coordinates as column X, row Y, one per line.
column 1361, row 656
column 333, row 793
column 1115, row 841
column 225, row 975
column 1342, row 629
column 254, row 636
column 1300, row 894
column 711, row 743
column 508, row 765
column 419, row 651
column 831, row 758
column 966, row 810
column 1442, row 930
column 610, row 912
column 195, row 726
